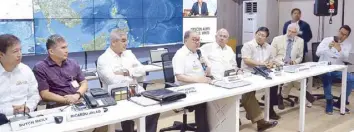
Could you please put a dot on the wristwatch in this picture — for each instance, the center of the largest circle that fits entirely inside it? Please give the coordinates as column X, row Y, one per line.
column 79, row 94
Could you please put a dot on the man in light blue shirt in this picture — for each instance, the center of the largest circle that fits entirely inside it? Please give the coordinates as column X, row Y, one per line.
column 335, row 50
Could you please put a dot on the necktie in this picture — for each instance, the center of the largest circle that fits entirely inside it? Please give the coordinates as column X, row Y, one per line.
column 288, row 51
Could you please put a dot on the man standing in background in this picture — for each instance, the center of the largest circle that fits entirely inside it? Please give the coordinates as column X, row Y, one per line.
column 305, row 30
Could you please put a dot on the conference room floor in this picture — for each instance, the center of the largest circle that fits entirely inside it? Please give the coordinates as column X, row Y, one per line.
column 316, row 119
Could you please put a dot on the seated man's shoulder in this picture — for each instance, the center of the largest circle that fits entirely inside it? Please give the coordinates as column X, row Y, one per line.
column 299, row 39
column 72, row 61
column 40, row 65
column 24, row 68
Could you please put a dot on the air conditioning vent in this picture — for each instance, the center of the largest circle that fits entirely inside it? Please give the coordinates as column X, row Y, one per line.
column 248, row 7
column 251, row 7
column 254, row 6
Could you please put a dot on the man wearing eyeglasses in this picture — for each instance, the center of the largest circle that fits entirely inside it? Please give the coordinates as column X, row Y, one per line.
column 335, row 50
column 220, row 55
column 188, row 69
column 288, row 50
column 257, row 52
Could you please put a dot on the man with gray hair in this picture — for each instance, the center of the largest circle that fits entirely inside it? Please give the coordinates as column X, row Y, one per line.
column 288, row 50
column 117, row 64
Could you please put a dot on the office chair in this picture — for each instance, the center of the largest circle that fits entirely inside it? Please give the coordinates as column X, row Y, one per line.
column 315, row 58
column 238, row 55
column 169, row 82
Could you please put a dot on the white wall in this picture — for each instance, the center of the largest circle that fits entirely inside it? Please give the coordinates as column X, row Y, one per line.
column 349, row 19
column 306, row 6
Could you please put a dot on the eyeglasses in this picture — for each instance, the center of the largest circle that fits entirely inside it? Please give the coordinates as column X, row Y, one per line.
column 196, row 39
column 261, row 35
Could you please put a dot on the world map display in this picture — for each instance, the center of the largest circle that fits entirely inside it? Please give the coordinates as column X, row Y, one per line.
column 86, row 24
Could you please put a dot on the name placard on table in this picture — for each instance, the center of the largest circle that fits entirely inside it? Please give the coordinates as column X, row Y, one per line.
column 31, row 122
column 78, row 115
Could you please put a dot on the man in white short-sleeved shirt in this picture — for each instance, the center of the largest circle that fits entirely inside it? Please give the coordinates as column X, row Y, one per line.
column 18, row 85
column 188, row 69
column 220, row 56
column 117, row 64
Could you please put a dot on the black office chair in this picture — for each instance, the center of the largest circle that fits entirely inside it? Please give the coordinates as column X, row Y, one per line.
column 238, row 55
column 169, row 82
column 315, row 58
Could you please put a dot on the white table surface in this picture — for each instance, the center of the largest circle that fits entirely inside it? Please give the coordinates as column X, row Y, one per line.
column 125, row 110
column 148, row 68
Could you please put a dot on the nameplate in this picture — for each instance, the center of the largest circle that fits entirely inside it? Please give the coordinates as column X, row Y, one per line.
column 303, row 68
column 31, row 122
column 78, row 115
column 187, row 90
column 323, row 63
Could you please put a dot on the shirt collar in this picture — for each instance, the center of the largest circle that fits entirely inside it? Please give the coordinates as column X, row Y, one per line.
column 51, row 63
column 114, row 54
column 186, row 50
column 217, row 46
column 258, row 45
column 2, row 70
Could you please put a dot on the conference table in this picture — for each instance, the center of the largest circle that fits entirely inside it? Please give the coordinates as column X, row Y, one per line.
column 126, row 110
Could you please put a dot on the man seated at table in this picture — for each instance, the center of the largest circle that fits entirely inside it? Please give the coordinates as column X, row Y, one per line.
column 18, row 86
column 288, row 50
column 60, row 79
column 111, row 66
column 257, row 52
column 188, row 69
column 199, row 8
column 336, row 52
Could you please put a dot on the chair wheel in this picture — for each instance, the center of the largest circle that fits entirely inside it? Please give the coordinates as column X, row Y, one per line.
column 292, row 104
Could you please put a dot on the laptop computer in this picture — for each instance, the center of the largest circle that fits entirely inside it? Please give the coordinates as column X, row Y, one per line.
column 155, row 56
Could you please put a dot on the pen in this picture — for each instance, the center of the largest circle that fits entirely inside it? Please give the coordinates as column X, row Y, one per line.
column 24, row 109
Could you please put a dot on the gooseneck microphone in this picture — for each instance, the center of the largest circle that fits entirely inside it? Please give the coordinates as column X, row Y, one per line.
column 200, row 55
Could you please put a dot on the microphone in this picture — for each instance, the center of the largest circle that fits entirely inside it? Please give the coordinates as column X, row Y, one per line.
column 3, row 119
column 200, row 55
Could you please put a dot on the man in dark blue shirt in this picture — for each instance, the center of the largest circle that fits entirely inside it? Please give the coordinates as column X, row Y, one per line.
column 305, row 30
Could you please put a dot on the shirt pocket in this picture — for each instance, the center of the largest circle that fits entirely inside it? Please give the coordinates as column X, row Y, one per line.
column 20, row 91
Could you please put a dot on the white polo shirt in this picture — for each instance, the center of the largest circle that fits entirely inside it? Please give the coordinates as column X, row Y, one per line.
column 331, row 54
column 17, row 88
column 220, row 59
column 110, row 62
column 185, row 62
column 252, row 50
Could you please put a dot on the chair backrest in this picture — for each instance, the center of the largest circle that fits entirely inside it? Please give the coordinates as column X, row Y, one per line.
column 155, row 55
column 314, row 46
column 167, row 67
column 238, row 55
column 99, row 79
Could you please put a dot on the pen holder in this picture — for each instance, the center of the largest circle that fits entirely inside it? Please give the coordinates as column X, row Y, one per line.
column 19, row 116
column 120, row 93
column 278, row 70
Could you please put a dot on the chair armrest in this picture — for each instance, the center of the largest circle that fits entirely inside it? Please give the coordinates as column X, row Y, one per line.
column 171, row 84
column 145, row 83
column 347, row 63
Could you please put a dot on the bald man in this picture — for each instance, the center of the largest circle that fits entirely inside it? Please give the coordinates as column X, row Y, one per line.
column 221, row 58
